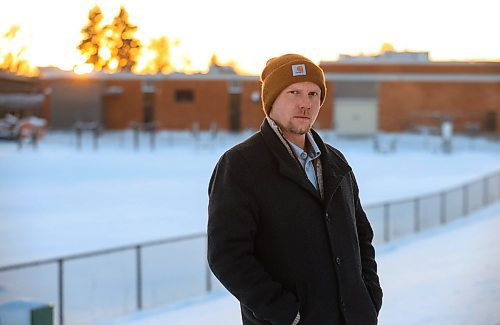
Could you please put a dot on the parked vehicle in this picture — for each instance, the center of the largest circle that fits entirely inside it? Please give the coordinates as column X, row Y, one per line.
column 13, row 128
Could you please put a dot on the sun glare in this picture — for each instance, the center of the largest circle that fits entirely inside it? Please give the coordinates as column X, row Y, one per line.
column 36, row 35
column 83, row 68
column 113, row 64
column 105, row 53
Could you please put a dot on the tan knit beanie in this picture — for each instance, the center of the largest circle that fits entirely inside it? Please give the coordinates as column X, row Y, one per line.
column 282, row 71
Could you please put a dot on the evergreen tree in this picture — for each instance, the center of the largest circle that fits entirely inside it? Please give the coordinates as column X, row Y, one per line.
column 214, row 60
column 159, row 50
column 386, row 47
column 91, row 44
column 122, row 43
column 161, row 47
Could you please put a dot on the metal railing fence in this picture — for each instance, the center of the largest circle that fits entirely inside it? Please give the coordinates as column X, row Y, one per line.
column 108, row 283
column 396, row 219
column 85, row 287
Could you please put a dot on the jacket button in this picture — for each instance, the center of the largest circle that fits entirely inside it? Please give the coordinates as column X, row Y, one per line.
column 327, row 217
column 337, row 260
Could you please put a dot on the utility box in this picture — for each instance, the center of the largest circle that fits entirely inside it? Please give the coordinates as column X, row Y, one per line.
column 26, row 313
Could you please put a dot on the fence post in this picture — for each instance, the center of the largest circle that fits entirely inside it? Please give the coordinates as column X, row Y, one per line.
column 485, row 191
column 19, row 141
column 34, row 138
column 60, row 277
column 152, row 135
column 417, row 214
column 465, row 199
column 138, row 263
column 387, row 228
column 498, row 176
column 443, row 208
column 78, row 130
column 95, row 133
column 135, row 130
column 208, row 278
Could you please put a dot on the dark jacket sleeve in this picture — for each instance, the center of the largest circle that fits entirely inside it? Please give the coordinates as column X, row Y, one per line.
column 369, row 265
column 233, row 218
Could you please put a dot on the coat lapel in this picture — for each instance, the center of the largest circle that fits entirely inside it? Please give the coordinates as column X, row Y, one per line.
column 335, row 168
column 296, row 174
column 287, row 166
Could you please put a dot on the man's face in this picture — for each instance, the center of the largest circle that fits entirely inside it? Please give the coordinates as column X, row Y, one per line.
column 296, row 108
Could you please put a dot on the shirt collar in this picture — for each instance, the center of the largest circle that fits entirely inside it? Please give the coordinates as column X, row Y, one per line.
column 312, row 151
column 313, row 147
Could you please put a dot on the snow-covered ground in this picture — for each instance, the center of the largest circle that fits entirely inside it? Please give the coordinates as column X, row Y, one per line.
column 445, row 276
column 57, row 200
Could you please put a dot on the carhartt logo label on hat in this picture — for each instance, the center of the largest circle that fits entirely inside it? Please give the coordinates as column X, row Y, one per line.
column 298, row 70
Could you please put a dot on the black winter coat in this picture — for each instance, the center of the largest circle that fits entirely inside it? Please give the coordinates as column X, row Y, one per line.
column 279, row 248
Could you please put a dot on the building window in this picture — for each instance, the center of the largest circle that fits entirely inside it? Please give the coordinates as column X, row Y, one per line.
column 184, row 96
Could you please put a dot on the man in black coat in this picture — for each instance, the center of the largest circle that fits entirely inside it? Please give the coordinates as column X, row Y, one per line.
column 287, row 235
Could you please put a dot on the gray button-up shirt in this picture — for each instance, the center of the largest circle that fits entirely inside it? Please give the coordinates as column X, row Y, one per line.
column 306, row 158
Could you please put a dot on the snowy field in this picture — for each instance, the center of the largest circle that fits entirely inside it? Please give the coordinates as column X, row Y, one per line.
column 57, row 200
column 445, row 276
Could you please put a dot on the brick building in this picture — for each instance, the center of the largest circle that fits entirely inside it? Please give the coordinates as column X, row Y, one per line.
column 410, row 93
column 399, row 92
column 23, row 96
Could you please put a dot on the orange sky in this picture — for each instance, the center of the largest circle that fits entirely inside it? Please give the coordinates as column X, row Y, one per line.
column 251, row 32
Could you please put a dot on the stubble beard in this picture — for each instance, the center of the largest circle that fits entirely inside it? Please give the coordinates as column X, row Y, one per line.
column 294, row 129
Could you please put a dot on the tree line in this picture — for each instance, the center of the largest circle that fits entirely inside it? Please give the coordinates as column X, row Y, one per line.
column 109, row 47
column 114, row 47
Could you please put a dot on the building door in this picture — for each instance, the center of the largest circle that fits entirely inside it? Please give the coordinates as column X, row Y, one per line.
column 148, row 103
column 234, row 112
column 491, row 122
column 234, row 105
column 356, row 116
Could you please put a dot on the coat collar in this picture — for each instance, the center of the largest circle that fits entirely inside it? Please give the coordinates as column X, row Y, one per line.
column 334, row 167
